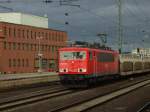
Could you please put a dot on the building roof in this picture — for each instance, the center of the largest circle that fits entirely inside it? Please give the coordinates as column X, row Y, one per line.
column 24, row 19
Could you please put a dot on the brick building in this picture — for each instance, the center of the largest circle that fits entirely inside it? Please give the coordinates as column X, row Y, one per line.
column 19, row 47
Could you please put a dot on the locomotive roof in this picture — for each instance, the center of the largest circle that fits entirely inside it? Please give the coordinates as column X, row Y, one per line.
column 84, row 48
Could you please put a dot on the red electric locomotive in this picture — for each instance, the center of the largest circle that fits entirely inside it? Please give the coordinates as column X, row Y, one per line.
column 80, row 65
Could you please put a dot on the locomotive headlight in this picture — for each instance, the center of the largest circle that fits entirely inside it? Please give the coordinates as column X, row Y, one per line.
column 82, row 70
column 63, row 70
column 66, row 70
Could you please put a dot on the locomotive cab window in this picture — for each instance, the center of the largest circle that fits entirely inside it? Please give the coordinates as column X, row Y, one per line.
column 68, row 55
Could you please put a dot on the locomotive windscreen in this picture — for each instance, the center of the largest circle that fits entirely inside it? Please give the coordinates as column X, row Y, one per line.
column 72, row 55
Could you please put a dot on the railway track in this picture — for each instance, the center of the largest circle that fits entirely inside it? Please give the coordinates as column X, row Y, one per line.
column 8, row 104
column 75, row 99
column 90, row 103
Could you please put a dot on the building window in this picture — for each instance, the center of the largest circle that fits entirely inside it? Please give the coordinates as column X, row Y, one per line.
column 49, row 48
column 55, row 48
column 42, row 49
column 49, row 36
column 23, row 62
column 42, row 34
column 14, row 62
column 36, row 62
column 18, row 62
column 52, row 48
column 9, row 30
column 10, row 63
column 5, row 31
column 61, row 37
column 14, row 46
column 27, row 62
column 52, row 36
column 27, row 46
column 27, row 33
column 35, row 35
column 14, row 32
column 18, row 46
column 56, row 36
column 46, row 36
column 5, row 45
column 35, row 47
column 23, row 45
column 39, row 34
column 19, row 33
column 46, row 47
column 9, row 44
column 31, row 47
column 31, row 35
column 23, row 35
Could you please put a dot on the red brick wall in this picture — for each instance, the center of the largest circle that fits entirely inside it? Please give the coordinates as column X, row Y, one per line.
column 19, row 42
